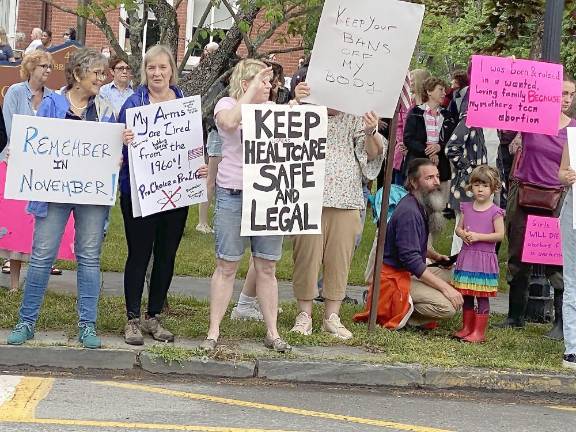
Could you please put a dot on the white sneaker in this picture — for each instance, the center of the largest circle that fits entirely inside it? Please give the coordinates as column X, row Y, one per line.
column 251, row 312
column 333, row 326
column 303, row 324
column 204, row 228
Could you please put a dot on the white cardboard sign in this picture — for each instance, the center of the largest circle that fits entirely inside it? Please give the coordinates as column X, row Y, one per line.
column 63, row 161
column 362, row 53
column 165, row 156
column 284, row 164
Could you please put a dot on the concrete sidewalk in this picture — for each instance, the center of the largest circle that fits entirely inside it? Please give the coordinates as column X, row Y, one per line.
column 113, row 285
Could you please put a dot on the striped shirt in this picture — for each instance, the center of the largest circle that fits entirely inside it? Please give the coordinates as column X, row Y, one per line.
column 433, row 120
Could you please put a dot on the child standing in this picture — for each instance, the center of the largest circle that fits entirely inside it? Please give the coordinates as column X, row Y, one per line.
column 477, row 270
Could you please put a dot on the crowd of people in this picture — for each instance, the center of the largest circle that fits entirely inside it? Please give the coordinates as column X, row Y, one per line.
column 481, row 177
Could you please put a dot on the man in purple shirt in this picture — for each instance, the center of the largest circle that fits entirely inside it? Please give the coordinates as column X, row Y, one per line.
column 417, row 215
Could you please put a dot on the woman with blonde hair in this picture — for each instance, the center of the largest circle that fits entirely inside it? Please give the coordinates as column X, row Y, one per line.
column 249, row 84
column 6, row 53
column 24, row 98
column 161, row 232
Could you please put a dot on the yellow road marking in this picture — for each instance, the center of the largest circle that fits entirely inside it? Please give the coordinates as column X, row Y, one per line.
column 269, row 407
column 562, row 408
column 139, row 426
column 28, row 394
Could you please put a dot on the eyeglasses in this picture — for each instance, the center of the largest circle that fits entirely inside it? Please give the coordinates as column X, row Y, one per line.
column 123, row 69
column 99, row 74
column 66, row 34
column 45, row 66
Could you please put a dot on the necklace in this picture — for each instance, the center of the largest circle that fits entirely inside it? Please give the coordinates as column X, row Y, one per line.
column 77, row 108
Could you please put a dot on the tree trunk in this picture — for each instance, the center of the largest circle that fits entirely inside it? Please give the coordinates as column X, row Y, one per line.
column 536, row 48
column 201, row 78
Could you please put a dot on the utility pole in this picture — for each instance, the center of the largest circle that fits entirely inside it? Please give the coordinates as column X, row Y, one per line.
column 552, row 30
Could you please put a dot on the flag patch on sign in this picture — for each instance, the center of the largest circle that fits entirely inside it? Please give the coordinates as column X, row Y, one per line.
column 195, row 153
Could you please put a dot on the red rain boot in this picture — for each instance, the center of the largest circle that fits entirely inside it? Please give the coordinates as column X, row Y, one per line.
column 468, row 324
column 479, row 333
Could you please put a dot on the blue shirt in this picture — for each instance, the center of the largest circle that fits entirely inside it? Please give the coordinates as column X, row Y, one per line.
column 6, row 53
column 406, row 243
column 115, row 96
column 18, row 100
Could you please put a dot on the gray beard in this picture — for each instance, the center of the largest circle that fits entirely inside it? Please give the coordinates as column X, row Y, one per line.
column 434, row 204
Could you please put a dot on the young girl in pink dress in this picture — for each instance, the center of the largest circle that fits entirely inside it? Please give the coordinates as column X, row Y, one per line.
column 477, row 270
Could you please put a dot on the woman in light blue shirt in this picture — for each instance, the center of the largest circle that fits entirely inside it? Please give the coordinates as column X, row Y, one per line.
column 24, row 98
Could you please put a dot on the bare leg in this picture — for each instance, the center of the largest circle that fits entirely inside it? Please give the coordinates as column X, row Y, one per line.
column 15, row 267
column 210, row 186
column 221, row 288
column 249, row 288
column 305, row 306
column 267, row 290
column 331, row 306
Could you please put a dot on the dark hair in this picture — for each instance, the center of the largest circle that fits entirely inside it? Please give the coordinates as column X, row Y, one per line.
column 413, row 173
column 49, row 33
column 72, row 32
column 429, row 85
column 114, row 60
column 461, row 77
column 568, row 77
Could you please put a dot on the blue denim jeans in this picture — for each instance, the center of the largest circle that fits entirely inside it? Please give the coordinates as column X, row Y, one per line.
column 569, row 253
column 89, row 227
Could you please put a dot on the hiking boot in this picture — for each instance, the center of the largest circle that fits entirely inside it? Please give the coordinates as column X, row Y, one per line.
column 569, row 361
column 303, row 324
column 333, row 326
column 251, row 313
column 88, row 336
column 153, row 327
column 132, row 332
column 277, row 344
column 21, row 333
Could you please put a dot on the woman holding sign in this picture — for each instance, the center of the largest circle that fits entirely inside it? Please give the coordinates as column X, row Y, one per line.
column 249, row 84
column 85, row 74
column 536, row 190
column 160, row 232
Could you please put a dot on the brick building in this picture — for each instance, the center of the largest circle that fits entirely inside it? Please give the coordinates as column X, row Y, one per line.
column 24, row 15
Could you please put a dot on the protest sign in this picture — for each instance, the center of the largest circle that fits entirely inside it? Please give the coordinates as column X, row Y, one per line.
column 17, row 226
column 284, row 165
column 362, row 53
column 572, row 152
column 518, row 95
column 165, row 156
column 64, row 161
column 542, row 241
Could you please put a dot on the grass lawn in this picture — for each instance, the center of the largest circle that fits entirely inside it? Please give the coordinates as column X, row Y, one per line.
column 196, row 254
column 505, row 349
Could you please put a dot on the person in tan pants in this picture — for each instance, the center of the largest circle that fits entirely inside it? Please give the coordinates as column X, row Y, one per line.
column 354, row 149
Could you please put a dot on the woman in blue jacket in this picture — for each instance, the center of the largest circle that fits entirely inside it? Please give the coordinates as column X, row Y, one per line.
column 85, row 74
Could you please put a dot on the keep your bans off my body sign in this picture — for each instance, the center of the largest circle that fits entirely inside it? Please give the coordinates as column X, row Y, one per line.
column 362, row 53
column 165, row 156
column 284, row 165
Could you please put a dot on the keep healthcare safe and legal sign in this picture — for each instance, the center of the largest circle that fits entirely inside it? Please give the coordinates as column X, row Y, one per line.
column 284, row 166
column 63, row 161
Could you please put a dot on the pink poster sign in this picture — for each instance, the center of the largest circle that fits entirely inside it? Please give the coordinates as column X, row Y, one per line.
column 518, row 95
column 542, row 241
column 17, row 226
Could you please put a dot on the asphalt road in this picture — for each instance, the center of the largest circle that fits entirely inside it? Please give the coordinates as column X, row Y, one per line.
column 45, row 403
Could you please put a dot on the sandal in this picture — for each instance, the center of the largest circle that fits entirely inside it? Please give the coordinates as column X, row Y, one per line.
column 55, row 271
column 6, row 267
column 277, row 344
column 208, row 345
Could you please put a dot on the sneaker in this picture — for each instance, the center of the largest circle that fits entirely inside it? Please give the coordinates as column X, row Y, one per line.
column 251, row 312
column 21, row 333
column 333, row 326
column 350, row 300
column 208, row 345
column 569, row 361
column 132, row 332
column 204, row 228
column 88, row 336
column 277, row 344
column 153, row 327
column 303, row 324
